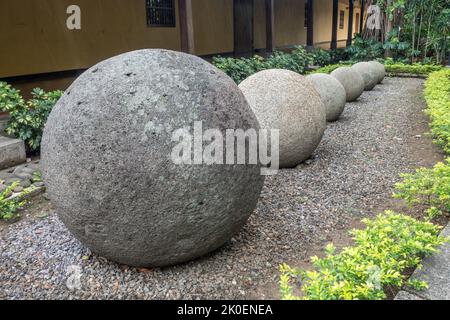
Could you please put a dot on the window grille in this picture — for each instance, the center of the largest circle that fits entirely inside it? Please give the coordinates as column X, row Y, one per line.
column 160, row 13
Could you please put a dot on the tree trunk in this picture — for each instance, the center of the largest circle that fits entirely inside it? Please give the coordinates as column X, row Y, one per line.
column 389, row 28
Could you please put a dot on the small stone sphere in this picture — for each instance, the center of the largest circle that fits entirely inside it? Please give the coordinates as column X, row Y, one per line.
column 332, row 93
column 381, row 70
column 351, row 80
column 287, row 101
column 107, row 159
column 369, row 74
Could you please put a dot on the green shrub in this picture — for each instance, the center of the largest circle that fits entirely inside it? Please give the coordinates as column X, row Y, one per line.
column 28, row 119
column 430, row 187
column 321, row 57
column 10, row 98
column 389, row 245
column 9, row 207
column 364, row 50
column 239, row 69
column 437, row 96
column 338, row 55
column 416, row 68
column 328, row 69
column 298, row 60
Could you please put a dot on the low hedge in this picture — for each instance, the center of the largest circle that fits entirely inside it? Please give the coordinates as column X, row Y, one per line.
column 384, row 250
column 430, row 187
column 437, row 96
column 417, row 69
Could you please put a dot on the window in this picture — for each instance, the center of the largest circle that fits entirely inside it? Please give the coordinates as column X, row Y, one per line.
column 160, row 13
column 341, row 19
column 357, row 23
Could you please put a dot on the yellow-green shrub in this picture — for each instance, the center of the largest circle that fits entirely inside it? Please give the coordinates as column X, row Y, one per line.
column 437, row 96
column 389, row 245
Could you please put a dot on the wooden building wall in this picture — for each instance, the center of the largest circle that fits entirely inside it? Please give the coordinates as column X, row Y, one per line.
column 35, row 38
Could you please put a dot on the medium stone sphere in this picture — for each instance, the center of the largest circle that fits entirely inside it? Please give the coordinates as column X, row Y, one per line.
column 287, row 101
column 380, row 69
column 351, row 80
column 369, row 73
column 332, row 93
column 108, row 163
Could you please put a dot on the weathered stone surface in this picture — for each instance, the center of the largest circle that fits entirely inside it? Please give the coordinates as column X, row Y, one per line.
column 12, row 152
column 351, row 80
column 285, row 100
column 332, row 93
column 106, row 159
column 369, row 73
column 381, row 70
column 436, row 272
column 404, row 295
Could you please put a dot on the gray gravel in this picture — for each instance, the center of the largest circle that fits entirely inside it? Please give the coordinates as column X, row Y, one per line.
column 350, row 175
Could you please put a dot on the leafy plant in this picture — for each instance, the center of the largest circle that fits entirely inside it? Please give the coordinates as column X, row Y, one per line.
column 338, row 55
column 298, row 60
column 437, row 96
column 321, row 57
column 10, row 98
column 389, row 245
column 365, row 50
column 415, row 68
column 241, row 68
column 430, row 187
column 397, row 47
column 27, row 120
column 328, row 69
column 8, row 206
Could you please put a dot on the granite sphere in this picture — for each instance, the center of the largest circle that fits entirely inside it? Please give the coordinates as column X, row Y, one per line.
column 380, row 69
column 106, row 159
column 332, row 93
column 369, row 74
column 287, row 101
column 351, row 80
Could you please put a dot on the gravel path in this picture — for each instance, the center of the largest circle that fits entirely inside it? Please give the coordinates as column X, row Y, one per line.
column 350, row 177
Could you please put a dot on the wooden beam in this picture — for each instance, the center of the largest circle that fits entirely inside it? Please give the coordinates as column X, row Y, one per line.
column 350, row 23
column 186, row 26
column 270, row 22
column 310, row 25
column 361, row 18
column 334, row 28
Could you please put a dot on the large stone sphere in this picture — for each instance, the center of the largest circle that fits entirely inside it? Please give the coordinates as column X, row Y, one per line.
column 369, row 73
column 287, row 101
column 380, row 69
column 351, row 80
column 106, row 159
column 332, row 93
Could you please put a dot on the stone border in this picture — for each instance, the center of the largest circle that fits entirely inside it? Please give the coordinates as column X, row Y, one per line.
column 28, row 177
column 436, row 272
column 407, row 75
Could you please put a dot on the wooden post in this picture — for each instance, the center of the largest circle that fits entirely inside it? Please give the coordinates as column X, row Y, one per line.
column 186, row 26
column 270, row 22
column 361, row 18
column 350, row 23
column 310, row 26
column 334, row 24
